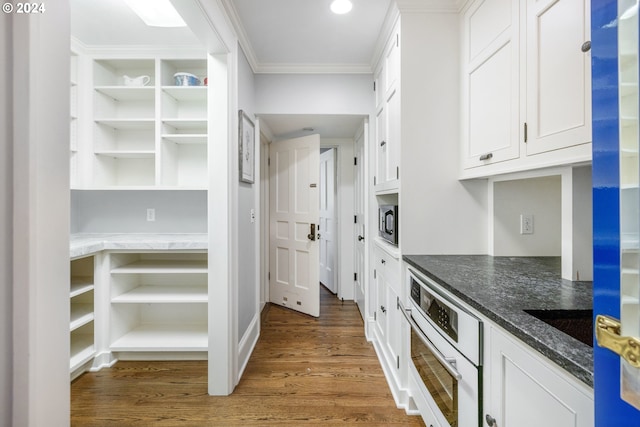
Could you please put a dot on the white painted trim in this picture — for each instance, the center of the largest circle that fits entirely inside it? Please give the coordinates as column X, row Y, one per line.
column 308, row 68
column 248, row 344
column 241, row 33
column 41, row 198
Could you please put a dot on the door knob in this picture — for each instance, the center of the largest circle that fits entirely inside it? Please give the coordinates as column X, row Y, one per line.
column 491, row 422
column 360, row 238
column 312, row 234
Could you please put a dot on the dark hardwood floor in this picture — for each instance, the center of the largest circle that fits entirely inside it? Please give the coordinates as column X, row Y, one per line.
column 304, row 371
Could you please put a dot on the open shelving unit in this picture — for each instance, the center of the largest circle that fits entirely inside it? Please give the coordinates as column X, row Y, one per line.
column 158, row 303
column 149, row 136
column 81, row 325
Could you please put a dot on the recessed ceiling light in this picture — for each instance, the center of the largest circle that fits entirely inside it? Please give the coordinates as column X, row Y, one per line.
column 341, row 7
column 156, row 13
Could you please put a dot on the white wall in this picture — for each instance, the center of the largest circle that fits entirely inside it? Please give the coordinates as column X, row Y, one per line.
column 345, row 211
column 439, row 214
column 540, row 197
column 6, row 217
column 314, row 94
column 40, row 60
column 124, row 211
column 248, row 229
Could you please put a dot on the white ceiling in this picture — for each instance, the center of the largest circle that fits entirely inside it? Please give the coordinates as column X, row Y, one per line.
column 304, row 35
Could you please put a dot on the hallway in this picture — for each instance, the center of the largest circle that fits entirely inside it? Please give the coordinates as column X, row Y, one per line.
column 304, row 371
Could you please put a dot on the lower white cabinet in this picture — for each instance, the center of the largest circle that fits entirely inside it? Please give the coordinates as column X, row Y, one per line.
column 525, row 390
column 158, row 303
column 81, row 316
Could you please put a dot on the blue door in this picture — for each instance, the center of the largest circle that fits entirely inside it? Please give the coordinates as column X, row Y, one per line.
column 616, row 215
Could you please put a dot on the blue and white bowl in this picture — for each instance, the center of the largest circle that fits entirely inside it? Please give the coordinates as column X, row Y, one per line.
column 186, row 79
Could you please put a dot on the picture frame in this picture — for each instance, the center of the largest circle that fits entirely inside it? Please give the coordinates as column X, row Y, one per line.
column 246, row 147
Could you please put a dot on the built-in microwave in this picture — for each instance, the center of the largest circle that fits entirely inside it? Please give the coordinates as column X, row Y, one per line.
column 388, row 223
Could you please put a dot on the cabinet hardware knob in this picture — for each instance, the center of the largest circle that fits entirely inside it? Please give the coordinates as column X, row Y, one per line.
column 586, row 46
column 384, row 310
column 383, row 261
column 490, row 421
column 360, row 238
column 383, row 143
column 486, row 156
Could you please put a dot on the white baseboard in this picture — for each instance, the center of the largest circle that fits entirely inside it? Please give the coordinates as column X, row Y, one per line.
column 247, row 344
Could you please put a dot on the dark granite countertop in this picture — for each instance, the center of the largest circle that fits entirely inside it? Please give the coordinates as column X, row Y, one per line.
column 500, row 288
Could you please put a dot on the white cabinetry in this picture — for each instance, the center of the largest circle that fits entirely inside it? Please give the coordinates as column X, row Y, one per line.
column 524, row 390
column 158, row 303
column 526, row 85
column 150, row 135
column 81, row 324
column 386, row 273
column 387, row 87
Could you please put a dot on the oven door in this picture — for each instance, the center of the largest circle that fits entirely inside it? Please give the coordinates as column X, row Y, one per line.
column 446, row 380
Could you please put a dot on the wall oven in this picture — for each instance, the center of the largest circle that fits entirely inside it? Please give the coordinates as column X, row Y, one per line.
column 446, row 351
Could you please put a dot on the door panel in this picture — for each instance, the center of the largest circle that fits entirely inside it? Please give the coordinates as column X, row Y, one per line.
column 327, row 220
column 294, row 251
column 359, row 243
column 610, row 152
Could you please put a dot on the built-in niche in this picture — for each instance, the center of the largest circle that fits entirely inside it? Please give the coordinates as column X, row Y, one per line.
column 545, row 213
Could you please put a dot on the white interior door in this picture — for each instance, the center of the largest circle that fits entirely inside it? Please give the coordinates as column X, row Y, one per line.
column 327, row 226
column 359, row 234
column 294, row 205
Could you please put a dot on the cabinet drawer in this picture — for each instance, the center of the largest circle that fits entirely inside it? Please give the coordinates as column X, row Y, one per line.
column 387, row 266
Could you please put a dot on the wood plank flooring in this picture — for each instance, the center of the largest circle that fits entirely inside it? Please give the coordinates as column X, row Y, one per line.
column 304, row 371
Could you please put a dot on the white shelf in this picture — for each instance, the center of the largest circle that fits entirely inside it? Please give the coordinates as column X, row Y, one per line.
column 163, row 267
column 81, row 285
column 164, row 338
column 186, row 138
column 128, row 93
column 392, row 250
column 81, row 314
column 126, row 154
column 82, row 350
column 186, row 93
column 163, row 294
column 186, row 124
column 127, row 124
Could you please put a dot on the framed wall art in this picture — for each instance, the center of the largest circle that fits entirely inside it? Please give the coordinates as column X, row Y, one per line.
column 246, row 146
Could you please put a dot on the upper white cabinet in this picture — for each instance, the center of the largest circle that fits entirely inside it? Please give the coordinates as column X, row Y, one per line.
column 387, row 87
column 147, row 131
column 558, row 76
column 526, row 85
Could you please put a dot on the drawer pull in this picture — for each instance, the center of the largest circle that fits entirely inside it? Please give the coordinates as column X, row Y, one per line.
column 486, row 156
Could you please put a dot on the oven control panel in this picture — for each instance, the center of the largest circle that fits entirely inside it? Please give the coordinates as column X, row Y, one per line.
column 445, row 317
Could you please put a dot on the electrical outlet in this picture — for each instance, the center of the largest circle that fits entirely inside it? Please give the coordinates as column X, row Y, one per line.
column 526, row 224
column 151, row 214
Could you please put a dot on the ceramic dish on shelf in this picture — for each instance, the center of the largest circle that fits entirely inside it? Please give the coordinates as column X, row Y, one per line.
column 186, row 79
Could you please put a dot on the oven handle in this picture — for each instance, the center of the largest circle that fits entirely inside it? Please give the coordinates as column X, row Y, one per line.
column 447, row 362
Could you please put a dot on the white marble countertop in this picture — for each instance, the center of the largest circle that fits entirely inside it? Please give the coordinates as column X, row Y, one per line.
column 87, row 244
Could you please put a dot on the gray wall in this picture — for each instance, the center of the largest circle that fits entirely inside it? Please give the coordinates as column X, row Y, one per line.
column 6, row 239
column 121, row 211
column 247, row 231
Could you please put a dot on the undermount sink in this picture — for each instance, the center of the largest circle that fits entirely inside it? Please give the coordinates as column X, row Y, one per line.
column 575, row 323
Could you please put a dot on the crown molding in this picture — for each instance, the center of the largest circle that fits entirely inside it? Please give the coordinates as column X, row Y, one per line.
column 241, row 34
column 283, row 68
column 429, row 6
column 146, row 51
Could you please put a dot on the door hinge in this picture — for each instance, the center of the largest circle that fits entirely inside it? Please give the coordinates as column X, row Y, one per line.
column 355, row 161
column 398, row 362
column 397, row 40
column 355, row 219
column 374, row 274
column 375, row 315
column 397, row 172
column 269, row 275
column 525, row 131
column 355, row 277
column 269, row 161
column 374, row 180
column 374, row 86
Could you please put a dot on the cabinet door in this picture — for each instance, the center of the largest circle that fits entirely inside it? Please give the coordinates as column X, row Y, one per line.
column 490, row 83
column 381, row 147
column 526, row 392
column 558, row 113
column 381, row 305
